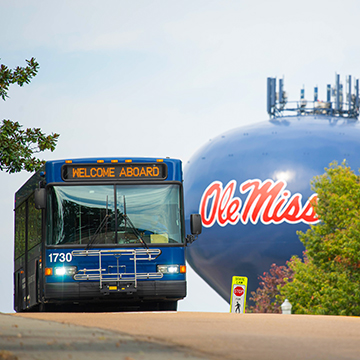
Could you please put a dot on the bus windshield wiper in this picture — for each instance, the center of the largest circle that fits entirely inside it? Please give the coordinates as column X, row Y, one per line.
column 100, row 227
column 124, row 217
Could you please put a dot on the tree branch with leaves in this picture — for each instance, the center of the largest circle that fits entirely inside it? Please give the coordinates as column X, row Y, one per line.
column 270, row 284
column 18, row 146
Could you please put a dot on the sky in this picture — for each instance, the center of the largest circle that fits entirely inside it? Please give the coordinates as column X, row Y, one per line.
column 160, row 78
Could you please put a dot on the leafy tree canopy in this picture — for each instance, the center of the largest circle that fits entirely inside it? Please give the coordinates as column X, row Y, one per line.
column 327, row 280
column 18, row 145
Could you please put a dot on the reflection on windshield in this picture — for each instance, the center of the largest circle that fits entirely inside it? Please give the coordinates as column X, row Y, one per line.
column 123, row 214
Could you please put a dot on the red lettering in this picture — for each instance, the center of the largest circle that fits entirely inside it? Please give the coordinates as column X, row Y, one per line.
column 227, row 202
column 212, row 191
column 308, row 214
column 266, row 201
column 277, row 217
column 260, row 200
column 224, row 207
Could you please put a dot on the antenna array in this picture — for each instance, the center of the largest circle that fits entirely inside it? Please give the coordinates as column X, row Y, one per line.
column 336, row 103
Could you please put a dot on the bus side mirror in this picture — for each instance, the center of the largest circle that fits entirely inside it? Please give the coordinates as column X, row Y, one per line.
column 40, row 198
column 195, row 224
column 195, row 227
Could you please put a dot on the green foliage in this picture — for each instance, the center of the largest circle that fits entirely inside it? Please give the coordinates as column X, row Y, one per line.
column 319, row 292
column 20, row 76
column 328, row 280
column 18, row 146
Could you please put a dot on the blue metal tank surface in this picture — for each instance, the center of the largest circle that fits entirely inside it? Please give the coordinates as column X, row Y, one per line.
column 252, row 187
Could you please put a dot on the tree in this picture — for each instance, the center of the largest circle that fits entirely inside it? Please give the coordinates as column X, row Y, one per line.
column 18, row 146
column 327, row 281
column 270, row 285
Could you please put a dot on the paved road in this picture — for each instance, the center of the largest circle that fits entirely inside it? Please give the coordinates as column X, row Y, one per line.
column 229, row 336
column 25, row 339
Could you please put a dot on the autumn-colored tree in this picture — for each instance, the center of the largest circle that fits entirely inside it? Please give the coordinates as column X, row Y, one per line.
column 327, row 281
column 270, row 284
column 18, row 145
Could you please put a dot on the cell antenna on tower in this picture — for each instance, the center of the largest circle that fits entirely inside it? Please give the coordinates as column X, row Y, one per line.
column 337, row 104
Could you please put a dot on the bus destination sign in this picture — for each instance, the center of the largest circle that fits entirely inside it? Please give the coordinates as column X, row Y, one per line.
column 114, row 171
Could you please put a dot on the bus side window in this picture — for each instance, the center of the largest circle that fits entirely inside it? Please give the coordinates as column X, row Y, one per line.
column 34, row 224
column 20, row 220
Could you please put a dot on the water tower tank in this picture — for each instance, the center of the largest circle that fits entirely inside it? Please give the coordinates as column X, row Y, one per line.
column 252, row 184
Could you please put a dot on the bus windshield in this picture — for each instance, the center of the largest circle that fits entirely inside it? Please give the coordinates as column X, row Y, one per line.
column 120, row 214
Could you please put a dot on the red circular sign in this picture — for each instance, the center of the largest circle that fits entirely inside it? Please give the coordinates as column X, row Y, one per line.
column 239, row 291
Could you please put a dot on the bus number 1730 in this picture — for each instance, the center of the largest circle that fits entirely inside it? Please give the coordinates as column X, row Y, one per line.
column 61, row 257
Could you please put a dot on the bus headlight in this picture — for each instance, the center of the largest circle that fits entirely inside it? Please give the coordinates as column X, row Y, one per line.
column 168, row 269
column 65, row 270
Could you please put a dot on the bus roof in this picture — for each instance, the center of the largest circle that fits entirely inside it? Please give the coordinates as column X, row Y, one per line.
column 54, row 172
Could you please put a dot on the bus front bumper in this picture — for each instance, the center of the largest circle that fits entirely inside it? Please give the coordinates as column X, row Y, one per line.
column 145, row 290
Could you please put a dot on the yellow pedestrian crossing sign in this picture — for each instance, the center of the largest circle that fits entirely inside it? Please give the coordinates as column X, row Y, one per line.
column 238, row 294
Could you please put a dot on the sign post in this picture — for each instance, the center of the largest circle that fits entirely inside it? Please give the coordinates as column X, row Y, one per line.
column 238, row 294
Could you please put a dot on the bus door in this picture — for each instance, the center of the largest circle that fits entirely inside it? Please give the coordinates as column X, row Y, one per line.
column 20, row 290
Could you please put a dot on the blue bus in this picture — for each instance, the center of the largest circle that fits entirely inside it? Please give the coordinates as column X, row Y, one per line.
column 101, row 234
